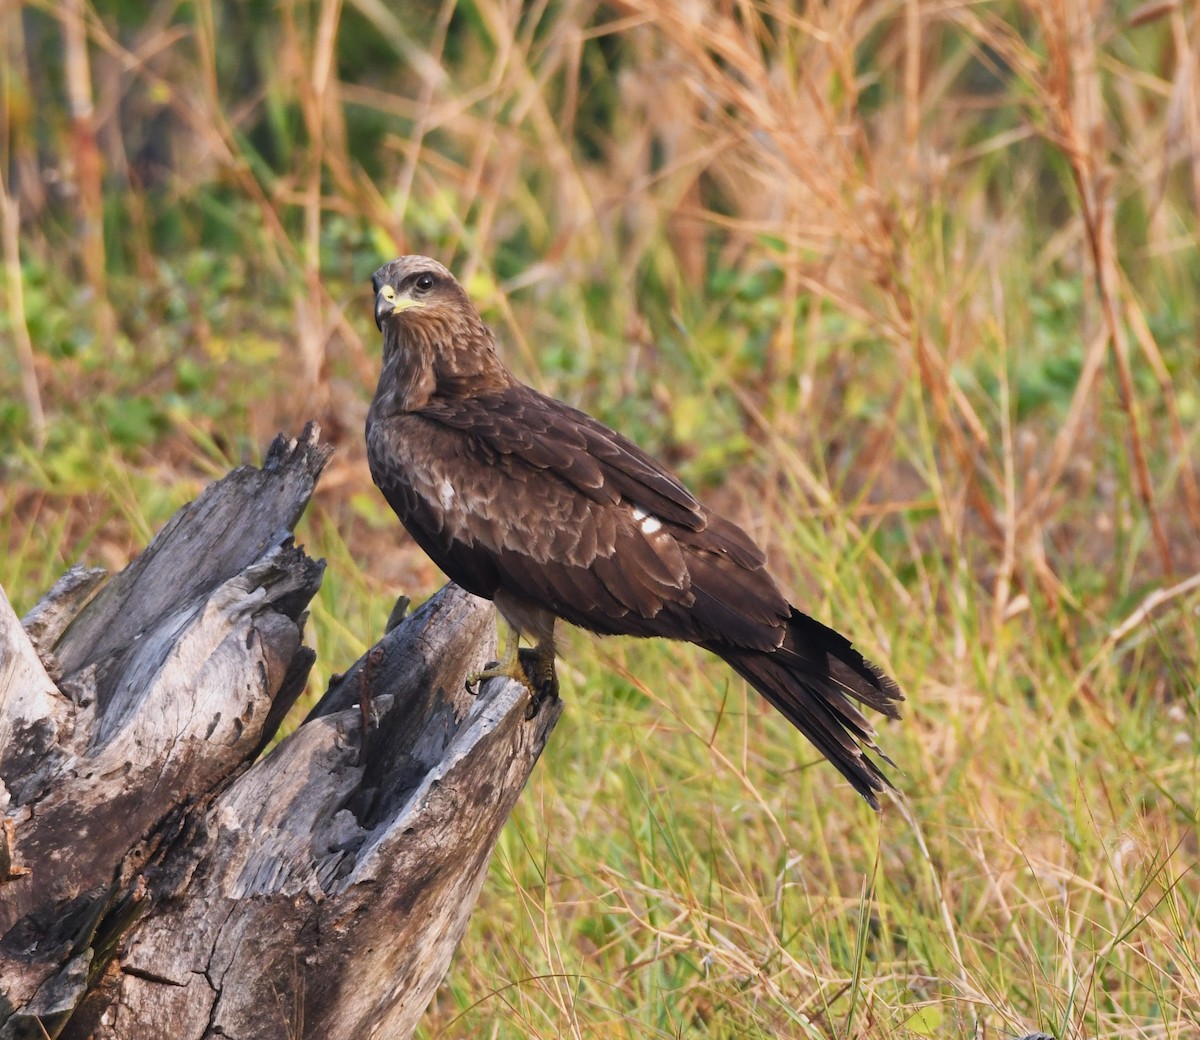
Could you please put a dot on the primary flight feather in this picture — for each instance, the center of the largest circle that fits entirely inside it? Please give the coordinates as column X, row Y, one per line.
column 533, row 504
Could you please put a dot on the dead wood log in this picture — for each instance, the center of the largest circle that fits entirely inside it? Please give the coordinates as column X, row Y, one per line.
column 159, row 876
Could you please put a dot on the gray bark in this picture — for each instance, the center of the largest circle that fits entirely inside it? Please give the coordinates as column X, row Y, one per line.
column 160, row 876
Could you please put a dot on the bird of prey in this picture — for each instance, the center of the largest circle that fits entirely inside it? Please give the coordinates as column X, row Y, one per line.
column 528, row 502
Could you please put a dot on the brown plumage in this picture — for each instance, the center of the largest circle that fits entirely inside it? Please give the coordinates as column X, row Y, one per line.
column 530, row 503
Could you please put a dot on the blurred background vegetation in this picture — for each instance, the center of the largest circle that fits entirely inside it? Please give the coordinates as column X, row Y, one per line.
column 910, row 288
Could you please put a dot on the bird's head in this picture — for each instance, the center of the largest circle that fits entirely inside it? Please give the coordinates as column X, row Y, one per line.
column 416, row 286
column 433, row 337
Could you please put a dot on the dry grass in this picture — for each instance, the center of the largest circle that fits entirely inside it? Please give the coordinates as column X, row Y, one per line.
column 910, row 287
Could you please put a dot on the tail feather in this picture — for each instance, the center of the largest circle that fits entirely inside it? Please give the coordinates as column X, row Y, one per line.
column 814, row 679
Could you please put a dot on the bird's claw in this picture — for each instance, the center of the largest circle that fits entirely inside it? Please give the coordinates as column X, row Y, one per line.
column 532, row 671
column 541, row 680
column 476, row 679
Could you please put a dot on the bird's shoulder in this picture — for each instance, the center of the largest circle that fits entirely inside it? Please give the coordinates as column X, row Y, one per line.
column 523, row 428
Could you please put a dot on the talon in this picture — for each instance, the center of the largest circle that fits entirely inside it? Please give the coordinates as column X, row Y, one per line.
column 541, row 680
column 490, row 671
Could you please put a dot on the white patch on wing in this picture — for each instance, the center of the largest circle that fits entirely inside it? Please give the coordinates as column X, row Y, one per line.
column 650, row 524
column 446, row 493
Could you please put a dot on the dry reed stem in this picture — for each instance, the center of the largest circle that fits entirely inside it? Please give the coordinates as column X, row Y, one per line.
column 1184, row 452
column 1070, row 95
column 18, row 146
column 85, row 154
column 10, row 224
column 314, row 81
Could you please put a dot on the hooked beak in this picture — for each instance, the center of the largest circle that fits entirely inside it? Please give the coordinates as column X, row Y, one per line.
column 388, row 303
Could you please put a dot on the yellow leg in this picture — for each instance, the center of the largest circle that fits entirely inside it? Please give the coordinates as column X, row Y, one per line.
column 509, row 668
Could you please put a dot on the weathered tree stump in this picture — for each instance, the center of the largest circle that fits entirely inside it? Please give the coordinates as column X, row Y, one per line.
column 159, row 876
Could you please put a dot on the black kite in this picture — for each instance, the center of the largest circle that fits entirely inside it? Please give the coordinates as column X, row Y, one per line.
column 534, row 505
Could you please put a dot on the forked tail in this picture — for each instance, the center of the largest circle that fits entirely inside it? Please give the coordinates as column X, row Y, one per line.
column 817, row 680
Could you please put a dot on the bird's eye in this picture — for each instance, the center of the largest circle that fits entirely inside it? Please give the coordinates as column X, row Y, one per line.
column 424, row 282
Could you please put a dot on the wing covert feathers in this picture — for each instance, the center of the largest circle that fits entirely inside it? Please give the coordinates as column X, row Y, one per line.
column 548, row 435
